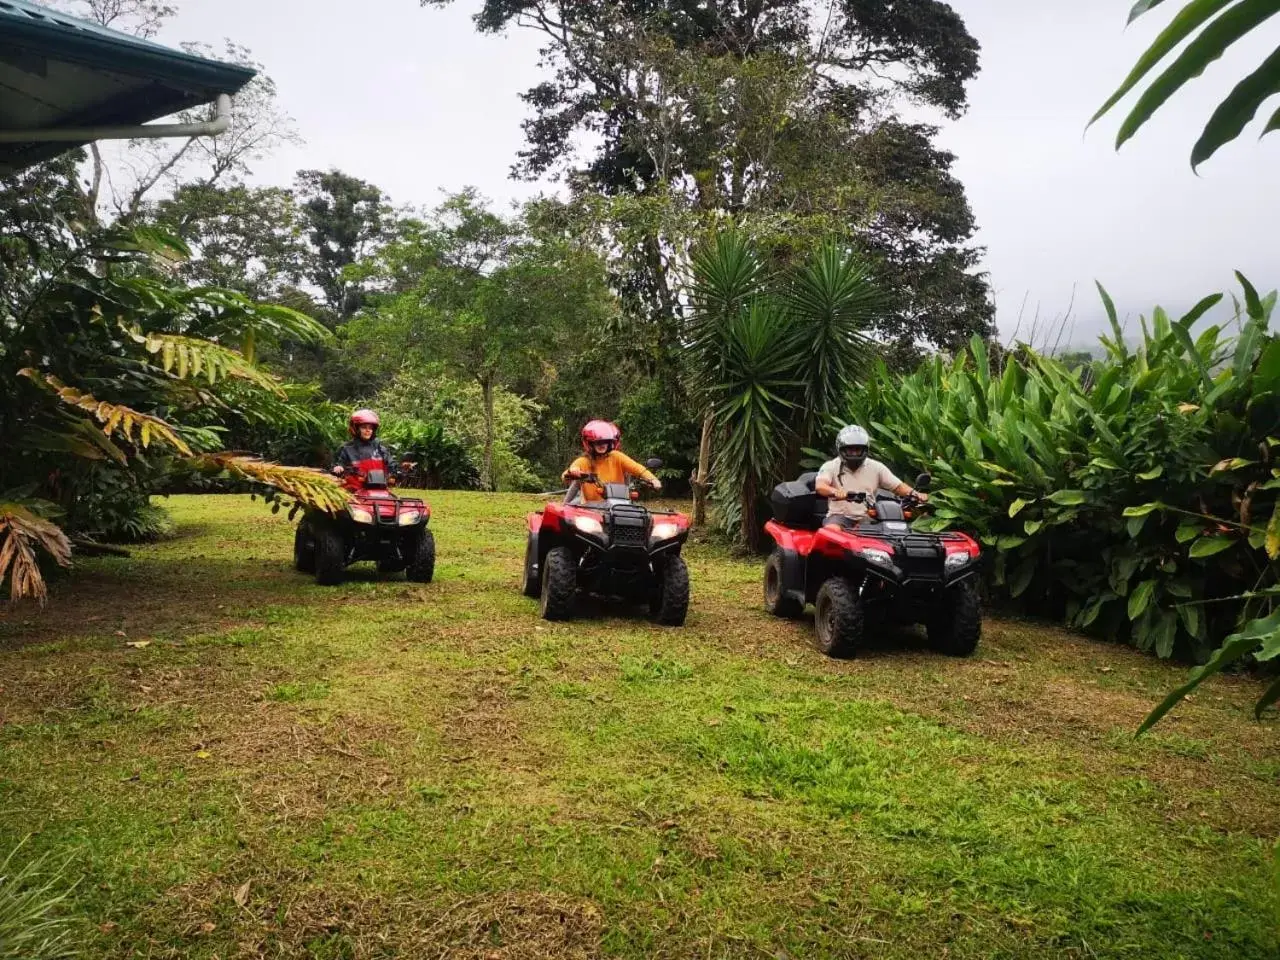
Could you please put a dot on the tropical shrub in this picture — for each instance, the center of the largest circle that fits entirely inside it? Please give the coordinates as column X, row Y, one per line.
column 113, row 378
column 1134, row 497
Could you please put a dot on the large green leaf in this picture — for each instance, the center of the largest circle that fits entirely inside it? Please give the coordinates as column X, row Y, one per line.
column 1236, row 646
column 1207, row 47
column 1188, row 20
column 1140, row 599
column 1211, row 546
column 1068, row 498
column 1240, row 107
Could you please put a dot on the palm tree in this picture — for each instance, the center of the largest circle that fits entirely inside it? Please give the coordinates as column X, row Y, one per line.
column 773, row 356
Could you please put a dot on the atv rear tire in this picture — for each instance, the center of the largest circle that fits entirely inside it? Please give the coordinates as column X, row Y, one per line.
column 839, row 619
column 304, row 548
column 955, row 625
column 559, row 584
column 670, row 603
column 776, row 599
column 529, row 584
column 330, row 555
column 422, row 557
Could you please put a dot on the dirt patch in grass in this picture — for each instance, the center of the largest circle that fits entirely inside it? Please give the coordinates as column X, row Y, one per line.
column 297, row 765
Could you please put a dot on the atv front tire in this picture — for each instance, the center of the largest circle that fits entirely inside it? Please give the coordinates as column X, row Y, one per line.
column 776, row 599
column 955, row 625
column 421, row 555
column 839, row 619
column 670, row 603
column 529, row 584
column 304, row 548
column 559, row 584
column 330, row 555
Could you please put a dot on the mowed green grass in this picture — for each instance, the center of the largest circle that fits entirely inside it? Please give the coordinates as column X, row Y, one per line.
column 234, row 762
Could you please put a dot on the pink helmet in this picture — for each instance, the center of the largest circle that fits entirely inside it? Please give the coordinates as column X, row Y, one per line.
column 600, row 431
column 362, row 418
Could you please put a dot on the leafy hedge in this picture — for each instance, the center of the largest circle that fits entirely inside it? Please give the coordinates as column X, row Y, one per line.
column 1134, row 496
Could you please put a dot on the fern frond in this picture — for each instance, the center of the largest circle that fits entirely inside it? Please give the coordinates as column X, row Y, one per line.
column 307, row 487
column 190, row 357
column 21, row 532
column 113, row 416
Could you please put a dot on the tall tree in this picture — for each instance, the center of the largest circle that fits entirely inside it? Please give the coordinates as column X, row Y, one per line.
column 345, row 219
column 241, row 238
column 775, row 110
column 491, row 299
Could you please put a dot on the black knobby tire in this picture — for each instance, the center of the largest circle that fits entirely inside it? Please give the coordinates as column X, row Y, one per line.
column 330, row 555
column 955, row 626
column 422, row 557
column 670, row 603
column 776, row 599
column 304, row 548
column 529, row 584
column 559, row 584
column 839, row 619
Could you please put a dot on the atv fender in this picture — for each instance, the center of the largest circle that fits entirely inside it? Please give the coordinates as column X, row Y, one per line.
column 793, row 547
column 535, row 524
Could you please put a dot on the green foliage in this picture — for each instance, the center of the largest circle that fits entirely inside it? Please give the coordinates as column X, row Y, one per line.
column 1209, row 28
column 773, row 356
column 32, row 925
column 438, row 459
column 111, row 373
column 1138, row 502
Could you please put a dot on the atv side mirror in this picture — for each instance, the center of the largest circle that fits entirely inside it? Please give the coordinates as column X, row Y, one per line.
column 653, row 463
column 924, row 482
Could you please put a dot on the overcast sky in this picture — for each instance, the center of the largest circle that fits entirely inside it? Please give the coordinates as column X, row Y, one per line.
column 417, row 102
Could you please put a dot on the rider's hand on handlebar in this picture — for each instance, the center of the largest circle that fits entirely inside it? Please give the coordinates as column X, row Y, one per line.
column 337, row 471
column 656, row 484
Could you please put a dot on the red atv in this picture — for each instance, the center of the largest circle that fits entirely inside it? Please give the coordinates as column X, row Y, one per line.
column 880, row 571
column 377, row 525
column 614, row 549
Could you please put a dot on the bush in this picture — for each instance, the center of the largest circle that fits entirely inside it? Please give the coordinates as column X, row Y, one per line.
column 1130, row 497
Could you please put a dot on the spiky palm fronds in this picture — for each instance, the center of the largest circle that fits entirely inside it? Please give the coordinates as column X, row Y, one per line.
column 188, row 357
column 307, row 487
column 113, row 416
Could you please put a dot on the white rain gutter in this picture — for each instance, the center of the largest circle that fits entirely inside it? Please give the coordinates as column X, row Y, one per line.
column 208, row 128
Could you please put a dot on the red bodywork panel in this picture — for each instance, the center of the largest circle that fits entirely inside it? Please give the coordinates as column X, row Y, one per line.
column 383, row 502
column 555, row 516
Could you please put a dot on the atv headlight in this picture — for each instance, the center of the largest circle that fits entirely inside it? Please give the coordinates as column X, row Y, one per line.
column 877, row 556
column 665, row 531
column 956, row 560
column 360, row 514
column 408, row 517
column 589, row 525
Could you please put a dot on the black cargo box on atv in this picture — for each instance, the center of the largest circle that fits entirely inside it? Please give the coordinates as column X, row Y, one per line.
column 795, row 503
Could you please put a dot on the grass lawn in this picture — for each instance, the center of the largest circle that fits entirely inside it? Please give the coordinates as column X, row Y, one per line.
column 237, row 763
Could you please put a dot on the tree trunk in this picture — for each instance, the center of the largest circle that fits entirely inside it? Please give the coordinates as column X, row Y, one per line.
column 486, row 387
column 702, row 478
column 750, row 529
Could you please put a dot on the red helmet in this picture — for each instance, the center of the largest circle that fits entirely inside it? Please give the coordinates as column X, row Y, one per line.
column 362, row 418
column 600, row 431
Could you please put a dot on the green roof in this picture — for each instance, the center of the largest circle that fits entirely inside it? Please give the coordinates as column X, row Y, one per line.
column 60, row 71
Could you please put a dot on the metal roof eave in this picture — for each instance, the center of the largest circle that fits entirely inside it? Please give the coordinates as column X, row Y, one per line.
column 51, row 36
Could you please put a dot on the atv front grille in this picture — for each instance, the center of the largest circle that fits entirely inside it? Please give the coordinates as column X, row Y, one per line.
column 921, row 557
column 629, row 526
column 628, row 536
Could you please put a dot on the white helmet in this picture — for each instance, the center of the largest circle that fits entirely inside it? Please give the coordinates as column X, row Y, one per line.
column 853, row 436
